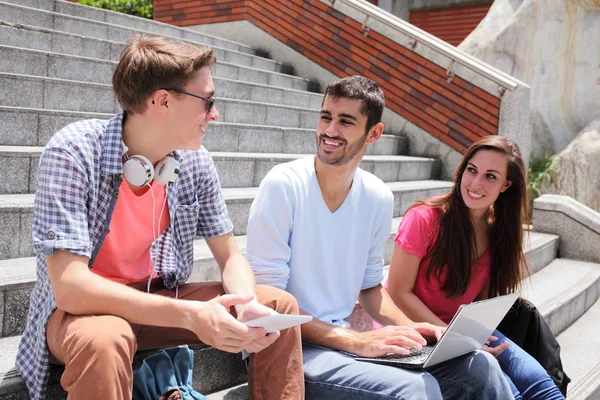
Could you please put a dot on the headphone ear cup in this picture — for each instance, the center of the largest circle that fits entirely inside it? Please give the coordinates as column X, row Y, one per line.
column 138, row 170
column 166, row 171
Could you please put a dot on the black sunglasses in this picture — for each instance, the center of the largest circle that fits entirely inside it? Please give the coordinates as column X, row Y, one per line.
column 210, row 101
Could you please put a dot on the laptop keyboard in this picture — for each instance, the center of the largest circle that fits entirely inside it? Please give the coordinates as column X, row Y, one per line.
column 414, row 355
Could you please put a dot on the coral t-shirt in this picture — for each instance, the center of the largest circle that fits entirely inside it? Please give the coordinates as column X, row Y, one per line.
column 125, row 253
column 417, row 234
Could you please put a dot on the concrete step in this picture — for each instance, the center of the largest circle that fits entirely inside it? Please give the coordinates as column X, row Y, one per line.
column 34, row 127
column 206, row 378
column 93, row 69
column 18, row 275
column 563, row 291
column 18, row 168
column 277, row 128
column 18, row 90
column 16, row 212
column 580, row 353
column 102, row 24
column 27, row 36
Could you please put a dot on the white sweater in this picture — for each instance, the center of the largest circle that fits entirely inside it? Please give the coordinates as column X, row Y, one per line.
column 324, row 259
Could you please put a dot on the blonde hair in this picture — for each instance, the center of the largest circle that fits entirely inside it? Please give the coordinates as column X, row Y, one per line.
column 151, row 63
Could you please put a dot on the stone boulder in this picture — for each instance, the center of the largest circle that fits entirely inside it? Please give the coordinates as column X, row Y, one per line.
column 577, row 169
column 554, row 46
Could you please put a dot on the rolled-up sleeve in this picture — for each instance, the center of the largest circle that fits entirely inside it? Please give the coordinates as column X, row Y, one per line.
column 269, row 228
column 374, row 271
column 60, row 216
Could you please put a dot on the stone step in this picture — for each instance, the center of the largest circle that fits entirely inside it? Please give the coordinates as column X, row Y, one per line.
column 18, row 90
column 580, row 353
column 242, row 126
column 16, row 211
column 18, row 168
column 206, row 378
column 19, row 60
column 102, row 24
column 17, row 276
column 34, row 127
column 36, row 38
column 563, row 291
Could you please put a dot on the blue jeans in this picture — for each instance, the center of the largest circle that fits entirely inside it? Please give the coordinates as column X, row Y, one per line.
column 526, row 377
column 333, row 375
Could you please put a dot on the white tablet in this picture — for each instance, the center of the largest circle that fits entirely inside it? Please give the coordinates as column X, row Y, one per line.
column 276, row 322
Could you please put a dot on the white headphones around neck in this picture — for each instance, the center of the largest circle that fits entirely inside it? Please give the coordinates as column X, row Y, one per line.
column 138, row 170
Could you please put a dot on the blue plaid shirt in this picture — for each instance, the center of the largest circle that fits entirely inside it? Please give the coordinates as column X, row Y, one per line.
column 79, row 175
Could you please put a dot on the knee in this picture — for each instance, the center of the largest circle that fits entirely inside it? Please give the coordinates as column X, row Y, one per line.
column 109, row 341
column 277, row 299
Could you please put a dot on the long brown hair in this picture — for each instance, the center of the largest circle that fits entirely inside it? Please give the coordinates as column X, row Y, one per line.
column 454, row 251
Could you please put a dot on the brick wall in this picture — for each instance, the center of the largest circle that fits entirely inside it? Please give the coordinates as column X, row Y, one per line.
column 457, row 113
column 452, row 24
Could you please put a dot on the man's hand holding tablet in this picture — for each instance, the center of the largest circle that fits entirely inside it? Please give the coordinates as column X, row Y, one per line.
column 277, row 322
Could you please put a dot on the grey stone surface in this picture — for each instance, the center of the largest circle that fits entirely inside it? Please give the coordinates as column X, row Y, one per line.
column 33, row 167
column 563, row 291
column 52, row 123
column 208, row 378
column 18, row 128
column 235, row 173
column 79, row 69
column 299, row 142
column 581, row 362
column 240, row 112
column 71, row 95
column 260, row 140
column 26, row 16
column 14, row 173
column 80, row 27
column 577, row 225
column 432, row 4
column 14, row 60
column 15, row 315
column 24, row 238
column 235, row 393
column 86, row 47
column 546, row 250
column 288, row 117
column 271, row 95
column 11, row 35
column 21, row 92
column 9, row 234
column 515, row 122
column 93, row 13
column 2, row 311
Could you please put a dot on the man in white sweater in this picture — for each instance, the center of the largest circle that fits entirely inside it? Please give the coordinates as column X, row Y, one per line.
column 317, row 229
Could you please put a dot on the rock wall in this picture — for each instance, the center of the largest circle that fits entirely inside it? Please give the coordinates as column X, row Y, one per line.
column 577, row 169
column 554, row 46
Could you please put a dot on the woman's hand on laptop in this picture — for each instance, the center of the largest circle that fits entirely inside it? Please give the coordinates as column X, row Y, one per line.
column 495, row 351
column 389, row 339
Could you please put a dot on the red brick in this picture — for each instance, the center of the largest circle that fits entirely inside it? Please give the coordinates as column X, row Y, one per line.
column 493, row 100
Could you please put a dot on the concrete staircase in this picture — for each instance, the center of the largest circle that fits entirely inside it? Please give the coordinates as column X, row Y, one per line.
column 56, row 62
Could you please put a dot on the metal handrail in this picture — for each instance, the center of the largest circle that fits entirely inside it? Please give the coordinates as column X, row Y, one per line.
column 417, row 35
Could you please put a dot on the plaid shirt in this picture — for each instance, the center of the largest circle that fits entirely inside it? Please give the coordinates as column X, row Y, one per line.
column 78, row 182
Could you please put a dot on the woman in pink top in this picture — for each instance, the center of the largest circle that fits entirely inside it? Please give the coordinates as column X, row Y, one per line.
column 466, row 245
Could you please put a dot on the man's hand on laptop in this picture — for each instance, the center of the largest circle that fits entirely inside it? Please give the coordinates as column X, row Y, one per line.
column 215, row 326
column 431, row 332
column 495, row 351
column 389, row 339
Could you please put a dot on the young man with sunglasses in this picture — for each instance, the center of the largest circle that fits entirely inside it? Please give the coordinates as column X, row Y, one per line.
column 118, row 205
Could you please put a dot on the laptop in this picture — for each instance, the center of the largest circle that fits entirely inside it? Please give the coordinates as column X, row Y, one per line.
column 469, row 329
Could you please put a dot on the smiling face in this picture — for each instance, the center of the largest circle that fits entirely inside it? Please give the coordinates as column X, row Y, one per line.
column 341, row 131
column 189, row 118
column 483, row 179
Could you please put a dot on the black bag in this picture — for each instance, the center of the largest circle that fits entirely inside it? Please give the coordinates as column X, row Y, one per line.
column 525, row 326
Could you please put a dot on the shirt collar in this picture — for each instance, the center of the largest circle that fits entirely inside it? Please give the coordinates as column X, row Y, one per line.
column 112, row 147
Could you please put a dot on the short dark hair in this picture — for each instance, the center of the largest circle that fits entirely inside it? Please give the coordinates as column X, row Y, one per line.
column 363, row 89
column 151, row 63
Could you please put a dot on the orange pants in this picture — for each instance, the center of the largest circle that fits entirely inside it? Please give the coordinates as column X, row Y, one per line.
column 97, row 350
